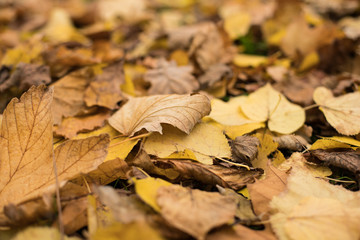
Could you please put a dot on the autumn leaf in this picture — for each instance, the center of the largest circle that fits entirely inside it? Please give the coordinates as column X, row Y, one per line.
column 26, row 140
column 341, row 112
column 33, row 233
column 168, row 78
column 181, row 111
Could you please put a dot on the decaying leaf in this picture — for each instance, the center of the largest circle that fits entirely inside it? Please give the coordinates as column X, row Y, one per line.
column 266, row 104
column 181, row 111
column 168, row 78
column 343, row 113
column 174, row 140
column 178, row 206
column 292, row 142
column 312, row 208
column 105, row 90
column 27, row 152
column 244, row 149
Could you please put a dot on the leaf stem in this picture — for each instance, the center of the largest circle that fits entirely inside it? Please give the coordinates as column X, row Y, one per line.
column 311, row 107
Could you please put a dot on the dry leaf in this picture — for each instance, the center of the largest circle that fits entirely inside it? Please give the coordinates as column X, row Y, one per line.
column 309, row 203
column 169, row 78
column 105, row 90
column 26, row 140
column 181, row 111
column 240, row 232
column 244, row 149
column 343, row 113
column 266, row 104
column 35, row 233
column 214, row 74
column 173, row 140
column 291, row 142
column 69, row 95
column 179, row 205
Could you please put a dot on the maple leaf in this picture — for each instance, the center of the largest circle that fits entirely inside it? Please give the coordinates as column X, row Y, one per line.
column 169, row 78
column 181, row 111
column 26, row 160
column 343, row 113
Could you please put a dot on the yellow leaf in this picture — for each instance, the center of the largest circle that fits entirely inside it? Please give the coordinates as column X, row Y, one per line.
column 237, row 25
column 186, row 154
column 205, row 141
column 27, row 152
column 335, row 142
column 60, row 28
column 131, row 231
column 246, row 60
column 181, row 111
column 147, row 190
column 310, row 60
column 235, row 131
column 26, row 53
column 267, row 146
column 180, row 57
column 266, row 104
column 343, row 113
column 36, row 233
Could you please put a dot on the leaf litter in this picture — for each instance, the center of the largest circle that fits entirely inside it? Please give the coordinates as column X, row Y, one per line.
column 185, row 119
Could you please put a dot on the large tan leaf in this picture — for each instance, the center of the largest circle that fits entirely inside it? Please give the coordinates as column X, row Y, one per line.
column 266, row 104
column 181, row 111
column 173, row 140
column 169, row 78
column 343, row 113
column 193, row 211
column 26, row 149
column 311, row 207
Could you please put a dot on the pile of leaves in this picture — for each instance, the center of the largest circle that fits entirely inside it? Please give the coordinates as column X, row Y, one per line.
column 183, row 119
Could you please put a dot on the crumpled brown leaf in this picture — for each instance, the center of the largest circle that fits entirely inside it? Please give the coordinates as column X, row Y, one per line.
column 181, row 111
column 244, row 149
column 169, row 78
column 179, row 205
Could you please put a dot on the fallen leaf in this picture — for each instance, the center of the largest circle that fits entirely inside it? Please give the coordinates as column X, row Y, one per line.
column 291, row 142
column 244, row 149
column 240, row 232
column 335, row 142
column 26, row 135
column 350, row 27
column 174, row 140
column 178, row 206
column 341, row 112
column 309, row 203
column 181, row 111
column 34, row 233
column 70, row 126
column 168, row 78
column 266, row 147
column 214, row 74
column 130, row 11
column 237, row 25
column 105, row 90
column 247, row 60
column 69, row 95
column 266, row 104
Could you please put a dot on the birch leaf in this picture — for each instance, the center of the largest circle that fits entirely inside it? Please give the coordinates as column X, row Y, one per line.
column 180, row 111
column 343, row 113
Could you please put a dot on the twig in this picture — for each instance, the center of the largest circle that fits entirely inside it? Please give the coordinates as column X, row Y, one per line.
column 58, row 201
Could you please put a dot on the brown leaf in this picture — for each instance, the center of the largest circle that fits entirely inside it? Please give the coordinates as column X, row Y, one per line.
column 70, row 126
column 344, row 158
column 69, row 94
column 291, row 142
column 214, row 74
column 244, row 149
column 26, row 142
column 240, row 232
column 262, row 192
column 214, row 174
column 169, row 78
column 105, row 90
column 181, row 111
column 193, row 211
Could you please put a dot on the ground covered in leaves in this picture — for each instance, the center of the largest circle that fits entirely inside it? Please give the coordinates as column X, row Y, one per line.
column 183, row 119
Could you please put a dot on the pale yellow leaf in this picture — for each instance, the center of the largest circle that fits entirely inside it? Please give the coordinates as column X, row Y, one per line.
column 343, row 113
column 205, row 141
column 266, row 104
column 181, row 111
column 37, row 233
column 237, row 25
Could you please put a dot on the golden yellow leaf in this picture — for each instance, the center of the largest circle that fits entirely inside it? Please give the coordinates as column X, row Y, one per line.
column 27, row 152
column 235, row 131
column 60, row 28
column 205, row 141
column 180, row 57
column 343, row 113
column 336, row 142
column 181, row 111
column 25, row 53
column 237, row 25
column 266, row 104
column 193, row 211
column 229, row 113
column 36, row 233
column 309, row 61
column 247, row 60
column 267, row 146
column 147, row 189
column 132, row 231
column 310, row 206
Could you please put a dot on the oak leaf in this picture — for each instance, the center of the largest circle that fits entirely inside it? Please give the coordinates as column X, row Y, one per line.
column 266, row 104
column 169, row 78
column 343, row 113
column 27, row 151
column 181, row 111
